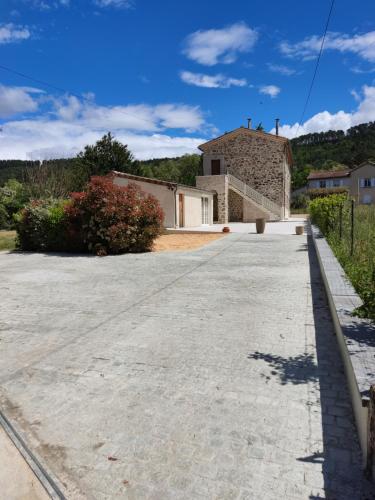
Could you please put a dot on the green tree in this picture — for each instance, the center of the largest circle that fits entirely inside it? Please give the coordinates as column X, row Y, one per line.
column 182, row 170
column 105, row 155
column 13, row 197
column 190, row 166
column 54, row 178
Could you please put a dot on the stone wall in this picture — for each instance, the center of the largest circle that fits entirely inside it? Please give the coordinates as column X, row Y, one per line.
column 235, row 207
column 252, row 212
column 288, row 189
column 257, row 159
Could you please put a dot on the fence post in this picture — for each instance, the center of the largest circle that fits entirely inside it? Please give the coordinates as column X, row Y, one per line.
column 340, row 222
column 371, row 435
column 352, row 230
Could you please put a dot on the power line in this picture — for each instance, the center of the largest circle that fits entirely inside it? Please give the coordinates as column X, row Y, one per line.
column 316, row 67
column 65, row 91
column 46, row 84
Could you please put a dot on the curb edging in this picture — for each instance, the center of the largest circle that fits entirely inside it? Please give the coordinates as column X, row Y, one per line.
column 355, row 336
column 37, row 468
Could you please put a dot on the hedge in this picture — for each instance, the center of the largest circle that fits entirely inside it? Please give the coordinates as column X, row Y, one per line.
column 104, row 219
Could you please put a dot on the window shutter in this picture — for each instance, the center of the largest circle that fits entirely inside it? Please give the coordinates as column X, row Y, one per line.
column 362, row 183
column 373, row 182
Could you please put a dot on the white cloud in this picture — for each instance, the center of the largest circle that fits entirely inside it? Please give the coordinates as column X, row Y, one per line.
column 15, row 100
column 10, row 33
column 121, row 4
column 211, row 81
column 139, row 117
column 47, row 4
column 280, row 68
column 361, row 71
column 69, row 124
column 355, row 95
column 215, row 46
column 46, row 139
column 363, row 45
column 324, row 121
column 271, row 90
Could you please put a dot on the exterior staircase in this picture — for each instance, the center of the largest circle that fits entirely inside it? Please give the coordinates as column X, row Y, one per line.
column 263, row 203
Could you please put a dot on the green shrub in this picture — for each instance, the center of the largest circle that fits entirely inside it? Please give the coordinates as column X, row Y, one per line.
column 323, row 192
column 300, row 201
column 116, row 219
column 13, row 197
column 105, row 219
column 4, row 217
column 355, row 251
column 323, row 211
column 41, row 225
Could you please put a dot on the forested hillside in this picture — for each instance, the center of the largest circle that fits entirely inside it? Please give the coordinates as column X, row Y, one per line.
column 182, row 169
column 325, row 150
column 332, row 149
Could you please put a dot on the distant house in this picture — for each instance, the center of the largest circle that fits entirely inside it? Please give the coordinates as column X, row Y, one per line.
column 250, row 172
column 328, row 179
column 360, row 181
column 183, row 206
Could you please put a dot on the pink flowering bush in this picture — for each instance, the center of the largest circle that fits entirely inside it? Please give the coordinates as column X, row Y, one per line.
column 104, row 219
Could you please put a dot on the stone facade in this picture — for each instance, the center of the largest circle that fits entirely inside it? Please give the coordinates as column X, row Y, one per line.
column 235, row 206
column 259, row 159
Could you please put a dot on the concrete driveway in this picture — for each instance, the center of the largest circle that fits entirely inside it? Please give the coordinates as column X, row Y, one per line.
column 208, row 374
column 286, row 227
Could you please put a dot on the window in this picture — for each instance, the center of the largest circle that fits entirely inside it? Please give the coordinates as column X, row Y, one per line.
column 337, row 182
column 205, row 218
column 322, row 184
column 215, row 167
column 365, row 183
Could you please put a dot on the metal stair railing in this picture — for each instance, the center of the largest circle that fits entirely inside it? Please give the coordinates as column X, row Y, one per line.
column 255, row 196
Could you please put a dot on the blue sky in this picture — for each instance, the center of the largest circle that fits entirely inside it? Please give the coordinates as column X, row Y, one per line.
column 164, row 76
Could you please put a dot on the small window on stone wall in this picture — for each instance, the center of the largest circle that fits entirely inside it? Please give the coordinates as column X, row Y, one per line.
column 215, row 167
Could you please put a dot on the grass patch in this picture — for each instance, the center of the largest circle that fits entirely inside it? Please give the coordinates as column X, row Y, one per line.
column 7, row 240
column 359, row 265
column 358, row 259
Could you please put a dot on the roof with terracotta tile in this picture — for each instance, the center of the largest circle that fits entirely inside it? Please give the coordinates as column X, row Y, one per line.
column 170, row 185
column 328, row 174
column 251, row 132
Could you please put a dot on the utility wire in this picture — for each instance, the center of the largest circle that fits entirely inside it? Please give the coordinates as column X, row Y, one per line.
column 65, row 91
column 316, row 67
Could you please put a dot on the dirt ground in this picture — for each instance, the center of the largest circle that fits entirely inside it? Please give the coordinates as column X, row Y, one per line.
column 24, row 485
column 184, row 241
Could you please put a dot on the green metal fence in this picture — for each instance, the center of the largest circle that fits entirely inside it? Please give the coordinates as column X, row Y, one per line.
column 352, row 237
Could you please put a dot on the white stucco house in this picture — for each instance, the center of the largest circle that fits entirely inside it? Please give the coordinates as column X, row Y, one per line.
column 360, row 181
column 183, row 206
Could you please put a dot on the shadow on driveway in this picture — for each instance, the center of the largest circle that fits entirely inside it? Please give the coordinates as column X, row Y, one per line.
column 341, row 457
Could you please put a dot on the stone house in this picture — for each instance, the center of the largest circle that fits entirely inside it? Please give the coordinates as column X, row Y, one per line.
column 360, row 181
column 250, row 172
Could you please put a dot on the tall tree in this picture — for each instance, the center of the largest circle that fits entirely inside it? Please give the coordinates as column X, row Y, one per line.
column 105, row 155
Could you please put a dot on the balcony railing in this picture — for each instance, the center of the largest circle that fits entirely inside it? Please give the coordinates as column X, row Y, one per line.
column 255, row 196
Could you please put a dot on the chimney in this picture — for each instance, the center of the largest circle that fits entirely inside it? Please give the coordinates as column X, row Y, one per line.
column 277, row 125
column 249, row 123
